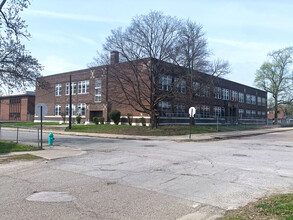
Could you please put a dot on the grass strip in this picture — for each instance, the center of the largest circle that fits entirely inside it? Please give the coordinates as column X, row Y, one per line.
column 279, row 207
column 7, row 147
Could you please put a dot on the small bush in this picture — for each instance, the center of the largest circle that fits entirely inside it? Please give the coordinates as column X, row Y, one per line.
column 96, row 120
column 129, row 118
column 142, row 121
column 115, row 116
column 78, row 119
column 101, row 120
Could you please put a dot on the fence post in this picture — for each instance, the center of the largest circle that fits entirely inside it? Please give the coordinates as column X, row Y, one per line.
column 38, row 138
column 17, row 135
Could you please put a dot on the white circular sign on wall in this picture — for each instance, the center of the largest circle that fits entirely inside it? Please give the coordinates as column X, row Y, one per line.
column 44, row 110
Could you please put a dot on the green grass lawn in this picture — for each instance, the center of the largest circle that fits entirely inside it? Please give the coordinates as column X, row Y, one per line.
column 7, row 147
column 27, row 124
column 147, row 131
column 19, row 157
column 278, row 207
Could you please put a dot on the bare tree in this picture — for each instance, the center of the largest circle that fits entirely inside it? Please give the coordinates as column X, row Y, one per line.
column 17, row 67
column 153, row 46
column 275, row 76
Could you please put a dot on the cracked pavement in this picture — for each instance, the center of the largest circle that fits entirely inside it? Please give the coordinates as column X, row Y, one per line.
column 163, row 179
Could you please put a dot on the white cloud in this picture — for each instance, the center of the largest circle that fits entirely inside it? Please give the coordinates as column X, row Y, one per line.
column 55, row 64
column 71, row 16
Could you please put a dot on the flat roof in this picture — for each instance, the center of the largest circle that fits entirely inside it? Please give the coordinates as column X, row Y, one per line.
column 26, row 93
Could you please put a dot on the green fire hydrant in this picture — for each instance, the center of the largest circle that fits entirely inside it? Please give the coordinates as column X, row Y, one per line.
column 51, row 138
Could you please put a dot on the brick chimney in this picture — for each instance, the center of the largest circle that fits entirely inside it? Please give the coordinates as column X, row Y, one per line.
column 114, row 57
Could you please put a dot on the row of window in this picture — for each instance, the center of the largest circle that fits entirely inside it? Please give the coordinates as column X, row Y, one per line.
column 80, row 109
column 83, row 88
column 165, row 84
column 204, row 111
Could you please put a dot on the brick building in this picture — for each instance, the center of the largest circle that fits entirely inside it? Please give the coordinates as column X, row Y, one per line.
column 95, row 92
column 17, row 107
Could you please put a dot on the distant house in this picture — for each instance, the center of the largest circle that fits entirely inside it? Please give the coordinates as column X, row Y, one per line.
column 17, row 106
column 94, row 91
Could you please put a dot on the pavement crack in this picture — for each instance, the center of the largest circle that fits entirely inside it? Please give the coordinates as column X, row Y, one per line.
column 169, row 180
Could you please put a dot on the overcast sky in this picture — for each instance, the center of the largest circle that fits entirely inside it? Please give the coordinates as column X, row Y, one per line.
column 66, row 34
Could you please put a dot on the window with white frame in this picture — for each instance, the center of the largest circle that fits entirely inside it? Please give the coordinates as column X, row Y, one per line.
column 258, row 100
column 218, row 94
column 241, row 97
column 253, row 113
column 73, row 88
column 248, row 99
column 263, row 101
column 248, row 113
column 206, row 91
column 205, row 111
column 253, row 99
column 225, row 94
column 234, row 96
column 83, row 87
column 196, row 88
column 180, row 85
column 57, row 109
column 259, row 114
column 240, row 113
column 165, row 83
column 98, row 90
column 219, row 112
column 81, row 109
column 179, row 110
column 164, row 108
column 58, row 90
column 197, row 111
column 73, row 112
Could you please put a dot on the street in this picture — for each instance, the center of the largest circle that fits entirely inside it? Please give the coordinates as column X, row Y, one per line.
column 135, row 179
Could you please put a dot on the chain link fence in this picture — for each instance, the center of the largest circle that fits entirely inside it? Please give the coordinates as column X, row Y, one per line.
column 27, row 135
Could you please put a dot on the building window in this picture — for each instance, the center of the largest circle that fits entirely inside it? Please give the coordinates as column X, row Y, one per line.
column 98, row 90
column 258, row 100
column 218, row 93
column 81, row 109
column 164, row 108
column 197, row 111
column 83, row 87
column 179, row 110
column 58, row 90
column 263, row 101
column 234, row 96
column 241, row 97
column 253, row 99
column 259, row 114
column 240, row 113
column 58, row 109
column 225, row 94
column 180, row 85
column 205, row 111
column 248, row 99
column 248, row 113
column 264, row 115
column 165, row 83
column 196, row 88
column 73, row 109
column 73, row 88
column 206, row 91
column 253, row 113
column 219, row 112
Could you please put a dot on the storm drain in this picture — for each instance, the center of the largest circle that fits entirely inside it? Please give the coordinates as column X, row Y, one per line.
column 51, row 197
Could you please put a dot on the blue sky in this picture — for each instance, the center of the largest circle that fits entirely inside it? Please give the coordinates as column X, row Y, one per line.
column 66, row 34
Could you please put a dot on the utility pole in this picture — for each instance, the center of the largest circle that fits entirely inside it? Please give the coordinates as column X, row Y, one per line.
column 70, row 101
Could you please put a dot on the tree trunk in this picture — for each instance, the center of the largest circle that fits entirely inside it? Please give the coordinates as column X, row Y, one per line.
column 276, row 111
column 153, row 121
